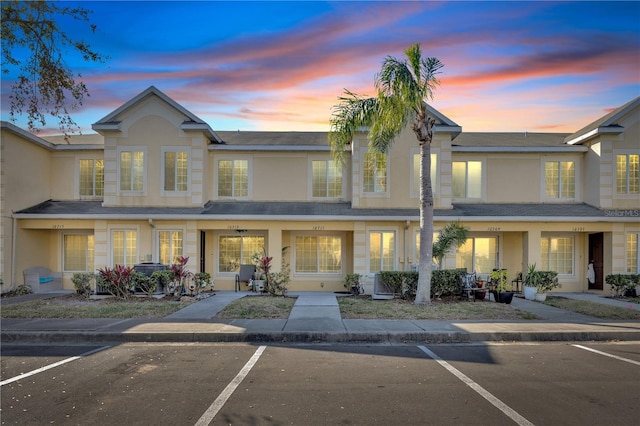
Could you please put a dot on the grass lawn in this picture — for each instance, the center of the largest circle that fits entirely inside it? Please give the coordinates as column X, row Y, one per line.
column 593, row 309
column 365, row 308
column 72, row 306
column 262, row 307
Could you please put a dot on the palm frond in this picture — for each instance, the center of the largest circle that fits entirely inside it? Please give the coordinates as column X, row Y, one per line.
column 348, row 117
column 453, row 235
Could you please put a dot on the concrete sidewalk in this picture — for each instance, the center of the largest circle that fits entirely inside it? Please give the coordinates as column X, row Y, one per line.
column 315, row 317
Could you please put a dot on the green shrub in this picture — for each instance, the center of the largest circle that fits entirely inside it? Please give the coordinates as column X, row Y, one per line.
column 82, row 283
column 401, row 283
column 621, row 283
column 447, row 282
column 146, row 284
column 22, row 289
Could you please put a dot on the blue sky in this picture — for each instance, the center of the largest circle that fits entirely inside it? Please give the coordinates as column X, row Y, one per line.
column 509, row 66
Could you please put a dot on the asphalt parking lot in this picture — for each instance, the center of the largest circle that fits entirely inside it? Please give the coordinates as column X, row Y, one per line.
column 252, row 384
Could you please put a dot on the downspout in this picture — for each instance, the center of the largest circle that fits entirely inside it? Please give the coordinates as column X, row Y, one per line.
column 406, row 266
column 14, row 244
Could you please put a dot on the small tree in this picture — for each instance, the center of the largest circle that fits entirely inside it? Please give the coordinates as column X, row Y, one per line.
column 403, row 87
column 44, row 85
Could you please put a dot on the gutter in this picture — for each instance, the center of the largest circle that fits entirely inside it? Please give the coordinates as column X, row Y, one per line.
column 329, row 218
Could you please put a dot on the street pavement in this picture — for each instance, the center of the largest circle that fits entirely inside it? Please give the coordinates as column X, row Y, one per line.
column 315, row 318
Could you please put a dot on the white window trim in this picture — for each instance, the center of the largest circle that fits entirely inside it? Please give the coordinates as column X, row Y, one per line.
column 573, row 250
column 310, row 179
column 318, row 275
column 175, row 193
column 156, row 239
column 483, row 183
column 365, row 194
column 142, row 149
column 249, row 161
column 216, row 256
column 616, row 195
column 76, row 183
column 543, row 181
column 85, row 233
column 396, row 232
column 435, row 185
column 475, row 235
column 110, row 231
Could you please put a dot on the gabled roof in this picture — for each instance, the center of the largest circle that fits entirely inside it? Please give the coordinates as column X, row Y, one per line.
column 26, row 135
column 193, row 122
column 607, row 124
column 444, row 123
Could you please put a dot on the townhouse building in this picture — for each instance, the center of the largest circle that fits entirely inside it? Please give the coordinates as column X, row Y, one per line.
column 156, row 182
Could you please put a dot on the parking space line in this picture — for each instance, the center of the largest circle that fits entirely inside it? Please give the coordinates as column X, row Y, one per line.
column 508, row 411
column 50, row 366
column 630, row 361
column 211, row 412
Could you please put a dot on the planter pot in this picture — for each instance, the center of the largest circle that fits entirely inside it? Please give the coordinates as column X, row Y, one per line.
column 503, row 297
column 541, row 297
column 530, row 292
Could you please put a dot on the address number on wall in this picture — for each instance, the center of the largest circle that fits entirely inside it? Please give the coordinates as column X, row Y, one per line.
column 57, row 226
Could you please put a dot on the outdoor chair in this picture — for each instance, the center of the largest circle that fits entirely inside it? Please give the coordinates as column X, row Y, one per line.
column 245, row 275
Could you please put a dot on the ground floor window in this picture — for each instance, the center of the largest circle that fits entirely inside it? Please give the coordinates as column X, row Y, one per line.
column 318, row 254
column 236, row 250
column 124, row 247
column 557, row 254
column 382, row 251
column 633, row 256
column 78, row 252
column 478, row 254
column 170, row 246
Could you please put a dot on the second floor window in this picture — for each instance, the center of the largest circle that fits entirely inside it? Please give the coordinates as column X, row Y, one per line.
column 131, row 171
column 233, row 178
column 467, row 179
column 91, row 178
column 628, row 174
column 374, row 176
column 176, row 171
column 326, row 181
column 415, row 190
column 560, row 179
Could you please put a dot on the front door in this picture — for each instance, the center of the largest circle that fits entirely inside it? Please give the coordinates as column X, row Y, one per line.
column 596, row 254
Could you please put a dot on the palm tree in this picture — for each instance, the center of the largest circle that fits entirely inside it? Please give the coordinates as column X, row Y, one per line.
column 452, row 235
column 403, row 87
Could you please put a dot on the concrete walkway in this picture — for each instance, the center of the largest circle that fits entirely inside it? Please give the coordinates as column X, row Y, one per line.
column 315, row 317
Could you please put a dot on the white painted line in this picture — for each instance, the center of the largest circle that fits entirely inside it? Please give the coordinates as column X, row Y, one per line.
column 211, row 412
column 630, row 361
column 508, row 411
column 50, row 366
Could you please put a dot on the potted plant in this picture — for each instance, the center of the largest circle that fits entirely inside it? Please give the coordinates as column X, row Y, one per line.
column 530, row 283
column 352, row 283
column 547, row 281
column 501, row 288
column 480, row 294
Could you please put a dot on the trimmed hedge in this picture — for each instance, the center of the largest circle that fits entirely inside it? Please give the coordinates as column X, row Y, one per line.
column 621, row 283
column 444, row 282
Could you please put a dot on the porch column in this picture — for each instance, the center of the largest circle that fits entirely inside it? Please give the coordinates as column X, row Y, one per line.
column 274, row 248
column 531, row 248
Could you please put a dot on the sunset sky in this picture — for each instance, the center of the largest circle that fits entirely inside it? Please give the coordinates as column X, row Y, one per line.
column 509, row 66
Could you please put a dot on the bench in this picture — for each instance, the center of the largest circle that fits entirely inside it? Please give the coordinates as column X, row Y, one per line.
column 42, row 280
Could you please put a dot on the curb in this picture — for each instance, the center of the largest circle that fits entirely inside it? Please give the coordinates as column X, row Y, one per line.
column 314, row 337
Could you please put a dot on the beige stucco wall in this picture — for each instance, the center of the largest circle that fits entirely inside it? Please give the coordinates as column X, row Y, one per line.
column 26, row 180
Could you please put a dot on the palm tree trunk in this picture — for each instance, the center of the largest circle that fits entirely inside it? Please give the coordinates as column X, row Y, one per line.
column 423, row 292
